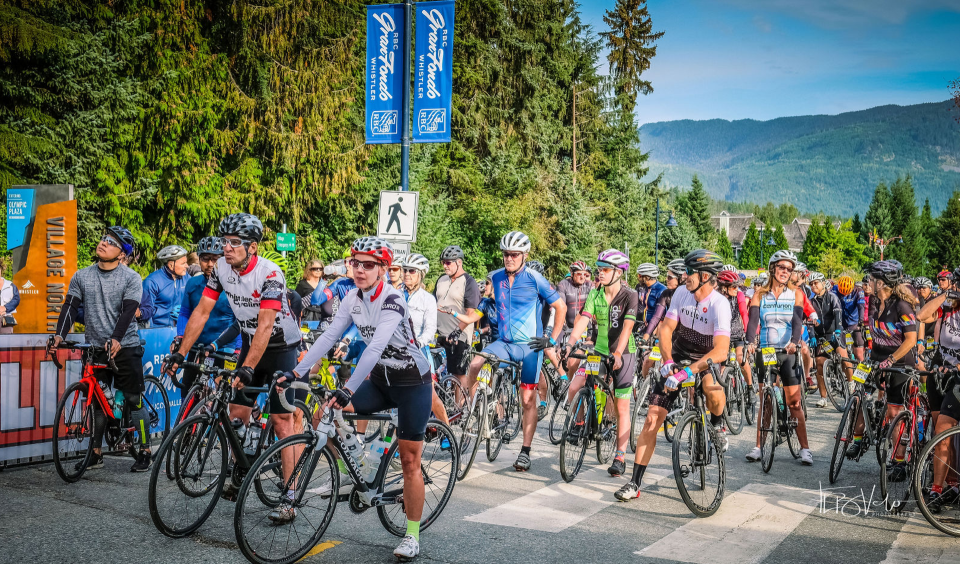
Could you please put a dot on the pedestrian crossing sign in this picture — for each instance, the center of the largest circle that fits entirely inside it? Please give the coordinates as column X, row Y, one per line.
column 398, row 216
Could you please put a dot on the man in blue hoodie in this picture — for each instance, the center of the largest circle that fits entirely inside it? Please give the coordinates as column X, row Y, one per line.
column 163, row 288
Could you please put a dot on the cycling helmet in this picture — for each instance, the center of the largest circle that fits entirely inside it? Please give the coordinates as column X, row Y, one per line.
column 210, row 246
column 613, row 258
column 760, row 279
column 676, row 266
column 743, row 277
column 243, row 225
column 648, row 269
column 123, row 236
column 945, row 274
column 375, row 247
column 536, row 266
column 801, row 268
column 578, row 266
column 346, row 254
column 817, row 277
column 845, row 285
column 171, row 252
column 922, row 282
column 956, row 274
column 783, row 255
column 452, row 252
column 728, row 278
column 418, row 261
column 515, row 241
column 890, row 272
column 727, row 267
column 703, row 260
column 274, row 257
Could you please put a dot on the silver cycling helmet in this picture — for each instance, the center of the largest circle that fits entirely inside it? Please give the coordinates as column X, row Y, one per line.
column 648, row 269
column 783, row 255
column 816, row 277
column 729, row 267
column 418, row 261
column 922, row 282
column 171, row 252
column 677, row 266
column 515, row 241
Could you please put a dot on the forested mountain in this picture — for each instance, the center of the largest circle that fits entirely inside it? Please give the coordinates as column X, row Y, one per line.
column 818, row 163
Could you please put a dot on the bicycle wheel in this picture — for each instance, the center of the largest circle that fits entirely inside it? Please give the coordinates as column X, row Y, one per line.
column 515, row 414
column 844, row 436
column 793, row 441
column 769, row 429
column 698, row 465
column 547, row 376
column 557, row 418
column 496, row 421
column 638, row 415
column 733, row 411
column 315, row 479
column 158, row 411
column 944, row 517
column 575, row 440
column 456, row 401
column 438, row 466
column 471, row 427
column 670, row 422
column 836, row 383
column 750, row 404
column 896, row 451
column 200, row 456
column 607, row 443
column 73, row 432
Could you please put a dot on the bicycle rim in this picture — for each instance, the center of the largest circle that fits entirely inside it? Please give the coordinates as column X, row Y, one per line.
column 898, row 442
column 572, row 453
column 698, row 465
column 608, row 441
column 947, row 520
column 793, row 441
column 836, row 385
column 844, row 437
column 72, row 433
column 733, row 415
column 557, row 418
column 767, row 423
column 316, row 481
column 471, row 426
column 160, row 421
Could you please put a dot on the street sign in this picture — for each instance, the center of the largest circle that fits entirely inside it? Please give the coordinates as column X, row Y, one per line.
column 400, row 251
column 286, row 242
column 398, row 216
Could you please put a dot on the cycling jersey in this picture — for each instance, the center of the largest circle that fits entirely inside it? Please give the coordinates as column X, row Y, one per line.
column 489, row 309
column 738, row 316
column 423, row 315
column 260, row 286
column 519, row 306
column 854, row 306
column 779, row 319
column 697, row 323
column 458, row 296
column 949, row 334
column 830, row 313
column 610, row 317
column 221, row 316
column 648, row 297
column 162, row 296
column 663, row 304
column 889, row 327
column 109, row 298
column 574, row 296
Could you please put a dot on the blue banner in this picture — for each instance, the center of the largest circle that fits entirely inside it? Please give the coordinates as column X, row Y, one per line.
column 433, row 72
column 155, row 348
column 384, row 82
column 19, row 215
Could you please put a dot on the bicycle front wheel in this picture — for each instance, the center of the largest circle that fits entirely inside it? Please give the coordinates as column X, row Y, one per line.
column 836, row 383
column 698, row 464
column 73, row 432
column 733, row 411
column 941, row 453
column 573, row 448
column 158, row 408
column 897, row 461
column 557, row 418
column 844, row 436
column 471, row 427
column 768, row 426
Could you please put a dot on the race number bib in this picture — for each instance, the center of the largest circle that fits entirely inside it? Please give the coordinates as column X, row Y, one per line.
column 484, row 375
column 655, row 354
column 230, row 364
column 769, row 356
column 593, row 365
column 827, row 347
column 733, row 355
column 849, row 340
column 861, row 373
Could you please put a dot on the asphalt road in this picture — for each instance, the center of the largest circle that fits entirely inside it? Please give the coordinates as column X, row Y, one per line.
column 500, row 515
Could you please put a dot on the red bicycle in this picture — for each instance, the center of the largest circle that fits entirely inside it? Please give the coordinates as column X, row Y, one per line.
column 899, row 449
column 85, row 401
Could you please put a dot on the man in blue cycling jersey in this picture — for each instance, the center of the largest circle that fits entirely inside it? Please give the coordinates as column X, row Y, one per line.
column 519, row 292
column 163, row 288
column 648, row 290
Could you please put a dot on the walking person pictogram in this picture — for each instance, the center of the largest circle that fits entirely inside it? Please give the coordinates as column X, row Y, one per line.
column 395, row 212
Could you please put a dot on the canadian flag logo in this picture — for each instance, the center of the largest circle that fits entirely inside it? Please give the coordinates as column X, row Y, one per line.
column 255, row 294
column 272, row 274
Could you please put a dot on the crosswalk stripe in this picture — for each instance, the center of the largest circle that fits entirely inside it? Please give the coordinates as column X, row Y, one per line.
column 746, row 529
column 919, row 543
column 481, row 466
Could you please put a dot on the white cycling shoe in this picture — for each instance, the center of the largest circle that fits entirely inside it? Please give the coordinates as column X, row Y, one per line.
column 754, row 455
column 408, row 549
column 806, row 457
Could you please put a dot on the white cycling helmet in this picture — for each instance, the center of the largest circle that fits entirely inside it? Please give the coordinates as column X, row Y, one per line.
column 418, row 261
column 677, row 266
column 171, row 252
column 816, row 277
column 648, row 269
column 729, row 267
column 515, row 241
column 760, row 280
column 783, row 255
column 801, row 267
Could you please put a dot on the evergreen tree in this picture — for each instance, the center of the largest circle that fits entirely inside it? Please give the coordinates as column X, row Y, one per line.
column 878, row 221
column 948, row 228
column 631, row 41
column 780, row 239
column 724, row 248
column 858, row 228
column 750, row 253
column 696, row 206
column 905, row 222
column 818, row 238
column 928, row 227
column 676, row 242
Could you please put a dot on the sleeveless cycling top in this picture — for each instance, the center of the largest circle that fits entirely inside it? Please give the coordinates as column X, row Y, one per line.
column 776, row 318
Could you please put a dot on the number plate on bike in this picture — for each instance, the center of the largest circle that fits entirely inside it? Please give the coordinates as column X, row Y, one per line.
column 930, row 342
column 861, row 373
column 593, row 365
column 229, row 365
column 849, row 340
column 827, row 347
column 655, row 354
column 769, row 356
column 485, row 373
column 208, row 362
column 733, row 355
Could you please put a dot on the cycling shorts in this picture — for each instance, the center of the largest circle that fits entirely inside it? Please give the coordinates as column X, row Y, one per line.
column 272, row 361
column 857, row 335
column 950, row 406
column 413, row 404
column 129, row 375
column 786, row 368
column 530, row 360
column 659, row 396
column 934, row 396
column 623, row 378
column 455, row 353
column 896, row 387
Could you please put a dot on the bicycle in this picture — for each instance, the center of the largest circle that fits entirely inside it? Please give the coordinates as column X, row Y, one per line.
column 902, row 442
column 944, row 514
column 87, row 399
column 641, row 391
column 735, row 388
column 376, row 477
column 861, row 407
column 557, row 385
column 588, row 420
column 776, row 424
column 698, row 452
column 559, row 412
column 834, row 375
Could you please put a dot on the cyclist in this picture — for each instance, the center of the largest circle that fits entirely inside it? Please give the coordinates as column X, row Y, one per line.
column 110, row 293
column 729, row 287
column 270, row 336
column 488, row 307
column 944, row 280
column 520, row 294
column 924, row 294
column 547, row 321
column 676, row 272
column 457, row 296
column 854, row 305
column 209, row 251
column 798, row 283
column 423, row 316
column 648, row 291
column 776, row 314
column 163, row 288
column 758, row 280
column 614, row 309
column 399, row 373
column 696, row 329
column 830, row 313
column 574, row 291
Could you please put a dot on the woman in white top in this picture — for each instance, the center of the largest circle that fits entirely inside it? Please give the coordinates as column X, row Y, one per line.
column 423, row 316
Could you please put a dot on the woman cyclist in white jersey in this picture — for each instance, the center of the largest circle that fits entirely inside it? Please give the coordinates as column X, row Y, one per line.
column 776, row 313
column 399, row 374
column 423, row 315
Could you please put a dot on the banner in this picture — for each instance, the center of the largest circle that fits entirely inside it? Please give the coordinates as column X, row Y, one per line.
column 433, row 72
column 19, row 214
column 384, row 82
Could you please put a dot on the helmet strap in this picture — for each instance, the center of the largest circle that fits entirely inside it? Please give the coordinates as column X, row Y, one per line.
column 246, row 262
column 615, row 278
column 702, row 281
column 523, row 261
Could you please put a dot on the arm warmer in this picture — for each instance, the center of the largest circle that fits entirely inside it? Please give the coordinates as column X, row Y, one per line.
column 796, row 324
column 753, row 325
column 68, row 314
column 146, row 302
column 127, row 312
column 229, row 335
column 742, row 307
column 389, row 320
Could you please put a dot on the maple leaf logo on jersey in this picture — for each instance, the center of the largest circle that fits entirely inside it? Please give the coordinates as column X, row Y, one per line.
column 271, row 275
column 255, row 294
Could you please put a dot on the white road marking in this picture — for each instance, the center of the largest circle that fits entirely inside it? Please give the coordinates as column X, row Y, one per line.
column 749, row 525
column 506, row 458
column 919, row 543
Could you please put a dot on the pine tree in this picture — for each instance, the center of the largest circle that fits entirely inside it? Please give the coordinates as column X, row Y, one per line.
column 905, row 222
column 696, row 206
column 631, row 41
column 750, row 253
column 724, row 248
column 878, row 220
column 818, row 238
column 779, row 239
column 858, row 227
column 948, row 228
column 676, row 242
column 928, row 227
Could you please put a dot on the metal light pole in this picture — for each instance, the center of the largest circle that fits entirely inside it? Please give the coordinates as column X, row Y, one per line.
column 883, row 243
column 405, row 139
column 672, row 222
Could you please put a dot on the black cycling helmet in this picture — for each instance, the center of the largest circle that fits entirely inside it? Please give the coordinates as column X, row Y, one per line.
column 124, row 237
column 889, row 271
column 210, row 246
column 244, row 225
column 955, row 275
column 536, row 266
column 703, row 260
column 452, row 252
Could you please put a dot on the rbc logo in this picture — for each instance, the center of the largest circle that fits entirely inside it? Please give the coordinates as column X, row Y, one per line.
column 384, row 122
column 432, row 121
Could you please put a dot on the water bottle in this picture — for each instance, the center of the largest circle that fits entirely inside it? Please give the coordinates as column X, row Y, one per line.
column 239, row 428
column 253, row 438
column 354, row 444
column 599, row 397
column 371, row 461
column 108, row 393
column 442, row 369
column 118, row 404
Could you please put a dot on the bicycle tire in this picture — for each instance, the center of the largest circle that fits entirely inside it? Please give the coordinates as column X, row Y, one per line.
column 515, row 411
column 251, row 510
column 159, row 420
column 733, row 410
column 768, row 425
column 86, row 425
column 880, row 429
column 793, row 440
column 844, row 436
column 546, row 378
column 193, row 430
column 639, row 412
column 750, row 405
column 836, row 383
column 895, row 498
column 670, row 421
column 607, row 443
column 495, row 422
column 572, row 454
column 699, row 459
column 922, row 476
column 395, row 522
column 472, row 427
column 557, row 419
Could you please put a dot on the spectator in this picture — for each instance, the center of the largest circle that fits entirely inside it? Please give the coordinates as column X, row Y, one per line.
column 163, row 289
column 9, row 300
column 193, row 264
column 311, row 277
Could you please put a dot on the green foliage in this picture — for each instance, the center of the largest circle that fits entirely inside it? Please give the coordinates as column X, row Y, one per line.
column 928, row 232
column 631, row 42
column 859, row 228
column 818, row 238
column 948, row 230
column 724, row 248
column 696, row 206
column 750, row 253
column 779, row 238
column 676, row 242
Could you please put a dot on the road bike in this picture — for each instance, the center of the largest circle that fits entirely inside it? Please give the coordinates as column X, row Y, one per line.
column 642, row 384
column 864, row 407
column 834, row 373
column 737, row 393
column 84, row 405
column 941, row 452
column 589, row 419
column 376, row 477
column 902, row 442
column 557, row 385
column 776, row 424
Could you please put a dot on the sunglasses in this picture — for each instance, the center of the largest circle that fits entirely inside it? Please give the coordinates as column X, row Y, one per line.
column 410, row 271
column 513, row 255
column 110, row 241
column 448, row 262
column 365, row 265
column 315, row 269
column 233, row 242
column 606, row 269
column 783, row 267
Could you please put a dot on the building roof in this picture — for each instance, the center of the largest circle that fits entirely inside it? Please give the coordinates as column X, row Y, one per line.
column 796, row 232
column 735, row 225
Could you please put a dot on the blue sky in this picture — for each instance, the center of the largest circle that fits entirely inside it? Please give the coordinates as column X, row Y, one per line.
column 763, row 59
